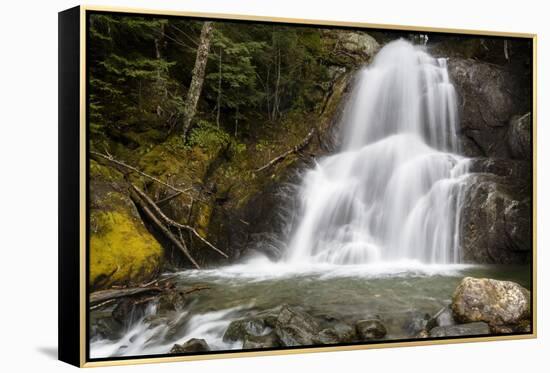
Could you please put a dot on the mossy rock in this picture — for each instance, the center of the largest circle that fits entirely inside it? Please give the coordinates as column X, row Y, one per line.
column 122, row 251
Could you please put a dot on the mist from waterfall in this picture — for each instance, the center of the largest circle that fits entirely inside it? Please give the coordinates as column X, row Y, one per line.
column 393, row 191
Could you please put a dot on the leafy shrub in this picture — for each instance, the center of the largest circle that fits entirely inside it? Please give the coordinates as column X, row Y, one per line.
column 208, row 136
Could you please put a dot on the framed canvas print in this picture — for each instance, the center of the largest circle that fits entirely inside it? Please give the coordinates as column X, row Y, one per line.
column 237, row 186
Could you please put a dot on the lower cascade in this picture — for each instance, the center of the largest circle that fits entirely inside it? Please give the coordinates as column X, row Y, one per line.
column 393, row 191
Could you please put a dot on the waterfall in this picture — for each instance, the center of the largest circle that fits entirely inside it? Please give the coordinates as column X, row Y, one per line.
column 393, row 191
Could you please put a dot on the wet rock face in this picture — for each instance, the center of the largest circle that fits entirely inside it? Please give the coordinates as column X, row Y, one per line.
column 497, row 303
column 262, row 341
column 241, row 330
column 519, row 137
column 470, row 329
column 496, row 220
column 489, row 96
column 191, row 346
column 370, row 329
column 289, row 326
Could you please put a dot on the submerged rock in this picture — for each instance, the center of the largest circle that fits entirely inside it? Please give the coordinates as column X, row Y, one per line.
column 327, row 337
column 103, row 325
column 444, row 317
column 261, row 341
column 171, row 300
column 295, row 327
column 475, row 328
column 192, row 345
column 370, row 329
column 417, row 322
column 498, row 303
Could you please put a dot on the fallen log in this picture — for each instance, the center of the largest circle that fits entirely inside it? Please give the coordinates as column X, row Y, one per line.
column 293, row 150
column 103, row 298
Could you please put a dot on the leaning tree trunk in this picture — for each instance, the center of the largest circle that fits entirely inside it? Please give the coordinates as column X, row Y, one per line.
column 198, row 77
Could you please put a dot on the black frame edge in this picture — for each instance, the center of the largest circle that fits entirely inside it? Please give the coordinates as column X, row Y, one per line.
column 69, row 188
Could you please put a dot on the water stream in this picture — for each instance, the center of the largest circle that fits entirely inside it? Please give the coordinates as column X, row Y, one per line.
column 393, row 191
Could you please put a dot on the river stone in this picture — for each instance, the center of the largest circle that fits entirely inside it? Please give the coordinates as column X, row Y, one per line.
column 345, row 332
column 192, row 345
column 370, row 329
column 295, row 327
column 519, row 137
column 494, row 302
column 327, row 337
column 127, row 311
column 171, row 300
column 475, row 328
column 444, row 317
column 416, row 323
column 102, row 324
column 238, row 330
column 261, row 341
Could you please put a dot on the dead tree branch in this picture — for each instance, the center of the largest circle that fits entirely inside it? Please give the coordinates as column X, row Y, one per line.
column 295, row 149
column 147, row 210
column 166, row 199
column 111, row 159
column 169, row 222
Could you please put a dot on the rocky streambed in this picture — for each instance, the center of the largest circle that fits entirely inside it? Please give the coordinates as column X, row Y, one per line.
column 232, row 308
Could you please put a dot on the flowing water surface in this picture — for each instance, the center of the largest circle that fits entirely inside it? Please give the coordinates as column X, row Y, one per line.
column 400, row 294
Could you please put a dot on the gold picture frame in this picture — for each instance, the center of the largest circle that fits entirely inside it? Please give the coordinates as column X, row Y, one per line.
column 73, row 281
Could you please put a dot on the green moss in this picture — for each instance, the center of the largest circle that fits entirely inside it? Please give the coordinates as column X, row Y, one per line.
column 121, row 250
column 203, row 218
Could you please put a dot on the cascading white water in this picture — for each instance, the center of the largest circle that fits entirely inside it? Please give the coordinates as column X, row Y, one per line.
column 393, row 192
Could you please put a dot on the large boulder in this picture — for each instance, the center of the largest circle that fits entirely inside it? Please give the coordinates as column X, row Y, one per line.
column 496, row 220
column 489, row 96
column 498, row 303
column 470, row 329
column 350, row 48
column 122, row 250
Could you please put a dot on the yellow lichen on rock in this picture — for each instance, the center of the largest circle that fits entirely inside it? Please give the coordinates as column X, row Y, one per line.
column 122, row 250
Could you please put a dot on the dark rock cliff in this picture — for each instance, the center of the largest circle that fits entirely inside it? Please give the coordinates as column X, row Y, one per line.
column 493, row 80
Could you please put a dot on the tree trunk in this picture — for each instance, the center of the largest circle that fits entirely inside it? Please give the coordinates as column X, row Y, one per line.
column 198, row 77
column 160, row 84
column 219, row 89
column 276, row 98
